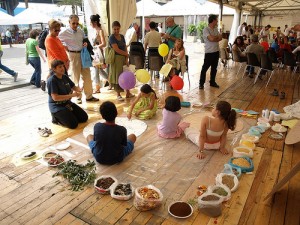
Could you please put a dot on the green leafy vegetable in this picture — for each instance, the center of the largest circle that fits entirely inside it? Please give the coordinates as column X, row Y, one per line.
column 77, row 174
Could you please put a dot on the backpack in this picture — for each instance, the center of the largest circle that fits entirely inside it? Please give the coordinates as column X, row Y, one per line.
column 42, row 38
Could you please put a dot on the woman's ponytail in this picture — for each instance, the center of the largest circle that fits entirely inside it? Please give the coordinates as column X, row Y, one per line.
column 231, row 120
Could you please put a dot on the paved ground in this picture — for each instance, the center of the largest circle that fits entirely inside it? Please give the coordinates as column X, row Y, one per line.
column 14, row 58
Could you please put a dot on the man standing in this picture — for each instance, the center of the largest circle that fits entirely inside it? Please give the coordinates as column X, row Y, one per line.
column 152, row 38
column 172, row 33
column 264, row 33
column 211, row 38
column 8, row 37
column 72, row 38
column 131, row 35
column 241, row 28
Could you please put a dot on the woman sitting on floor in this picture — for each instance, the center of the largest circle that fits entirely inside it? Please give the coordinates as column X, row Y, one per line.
column 60, row 90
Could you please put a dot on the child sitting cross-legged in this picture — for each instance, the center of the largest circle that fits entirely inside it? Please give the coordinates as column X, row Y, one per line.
column 145, row 105
column 171, row 125
column 110, row 143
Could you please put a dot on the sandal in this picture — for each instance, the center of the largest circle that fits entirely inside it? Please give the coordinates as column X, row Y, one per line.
column 49, row 131
column 282, row 95
column 43, row 132
column 96, row 91
column 130, row 96
column 275, row 92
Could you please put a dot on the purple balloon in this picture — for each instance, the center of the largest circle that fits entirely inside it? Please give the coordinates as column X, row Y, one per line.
column 127, row 80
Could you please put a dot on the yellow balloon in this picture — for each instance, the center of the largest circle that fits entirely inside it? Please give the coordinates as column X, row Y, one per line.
column 142, row 76
column 163, row 50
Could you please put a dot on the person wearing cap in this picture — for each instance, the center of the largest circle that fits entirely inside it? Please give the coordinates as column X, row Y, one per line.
column 264, row 33
column 255, row 48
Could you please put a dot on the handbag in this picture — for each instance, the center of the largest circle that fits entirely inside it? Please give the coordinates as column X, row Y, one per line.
column 109, row 55
column 86, row 61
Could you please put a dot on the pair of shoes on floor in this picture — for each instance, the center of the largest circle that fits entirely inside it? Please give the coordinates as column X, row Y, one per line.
column 275, row 92
column 92, row 99
column 43, row 85
column 15, row 77
column 214, row 85
column 201, row 86
column 282, row 95
column 44, row 132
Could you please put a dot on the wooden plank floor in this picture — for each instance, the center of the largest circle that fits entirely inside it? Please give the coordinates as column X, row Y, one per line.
column 29, row 194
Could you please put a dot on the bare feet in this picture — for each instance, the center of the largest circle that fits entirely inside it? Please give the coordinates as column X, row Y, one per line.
column 224, row 151
column 201, row 155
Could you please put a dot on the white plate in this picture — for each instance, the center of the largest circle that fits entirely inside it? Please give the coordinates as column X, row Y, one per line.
column 55, row 164
column 180, row 217
column 62, row 146
column 197, row 105
column 279, row 129
column 28, row 155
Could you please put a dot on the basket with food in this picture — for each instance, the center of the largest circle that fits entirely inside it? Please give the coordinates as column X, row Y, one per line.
column 122, row 191
column 241, row 151
column 229, row 180
column 104, row 184
column 245, row 163
column 210, row 204
column 232, row 170
column 221, row 190
column 56, row 160
column 147, row 198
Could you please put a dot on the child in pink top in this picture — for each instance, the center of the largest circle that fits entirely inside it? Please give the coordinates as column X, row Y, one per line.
column 171, row 127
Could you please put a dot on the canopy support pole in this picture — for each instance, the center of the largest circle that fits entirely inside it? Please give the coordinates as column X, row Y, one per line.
column 221, row 16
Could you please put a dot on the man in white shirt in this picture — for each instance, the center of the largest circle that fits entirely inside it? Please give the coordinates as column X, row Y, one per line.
column 241, row 28
column 72, row 38
column 264, row 33
column 8, row 37
column 131, row 34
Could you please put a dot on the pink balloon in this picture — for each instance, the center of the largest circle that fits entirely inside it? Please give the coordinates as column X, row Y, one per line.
column 127, row 80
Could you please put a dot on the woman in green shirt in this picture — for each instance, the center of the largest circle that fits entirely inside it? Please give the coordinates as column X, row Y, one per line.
column 33, row 54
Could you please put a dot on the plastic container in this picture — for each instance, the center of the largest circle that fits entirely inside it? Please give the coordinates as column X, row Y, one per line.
column 210, row 204
column 233, row 186
column 228, row 169
column 243, row 168
column 220, row 190
column 277, row 117
column 147, row 198
column 242, row 151
column 104, row 188
column 251, row 138
column 117, row 194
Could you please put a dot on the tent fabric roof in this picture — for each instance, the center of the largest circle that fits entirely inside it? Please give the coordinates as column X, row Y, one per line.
column 147, row 8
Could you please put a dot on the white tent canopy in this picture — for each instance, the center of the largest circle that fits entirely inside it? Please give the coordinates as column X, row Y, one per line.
column 5, row 18
column 147, row 8
column 30, row 16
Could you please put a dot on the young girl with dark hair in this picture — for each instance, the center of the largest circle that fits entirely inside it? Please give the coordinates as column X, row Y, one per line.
column 213, row 130
column 171, row 127
column 145, row 105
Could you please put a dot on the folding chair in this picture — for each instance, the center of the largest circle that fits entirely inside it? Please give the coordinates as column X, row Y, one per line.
column 252, row 60
column 187, row 70
column 137, row 55
column 266, row 65
column 155, row 60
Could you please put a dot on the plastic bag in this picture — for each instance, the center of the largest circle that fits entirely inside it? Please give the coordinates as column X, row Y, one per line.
column 86, row 60
column 119, row 195
column 232, row 170
column 231, row 185
column 242, row 151
column 109, row 55
column 102, row 190
column 244, row 169
column 221, row 191
column 130, row 68
column 210, row 204
column 147, row 198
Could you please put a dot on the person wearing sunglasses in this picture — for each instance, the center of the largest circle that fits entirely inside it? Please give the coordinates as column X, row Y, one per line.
column 72, row 38
column 54, row 47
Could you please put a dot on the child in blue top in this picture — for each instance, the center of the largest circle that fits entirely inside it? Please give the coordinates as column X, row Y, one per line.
column 110, row 143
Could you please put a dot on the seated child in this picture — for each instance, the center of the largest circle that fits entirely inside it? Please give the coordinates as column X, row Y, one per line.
column 213, row 130
column 171, row 127
column 145, row 105
column 110, row 143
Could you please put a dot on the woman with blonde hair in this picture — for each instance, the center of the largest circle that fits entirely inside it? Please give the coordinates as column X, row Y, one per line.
column 177, row 59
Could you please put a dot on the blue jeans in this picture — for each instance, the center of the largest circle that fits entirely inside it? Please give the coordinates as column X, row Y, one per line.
column 35, row 62
column 6, row 69
column 100, row 72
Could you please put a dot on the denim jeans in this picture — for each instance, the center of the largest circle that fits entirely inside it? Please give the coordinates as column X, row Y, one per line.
column 100, row 72
column 4, row 68
column 35, row 62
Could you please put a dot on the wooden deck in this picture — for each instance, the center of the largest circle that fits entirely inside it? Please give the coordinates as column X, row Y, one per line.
column 29, row 194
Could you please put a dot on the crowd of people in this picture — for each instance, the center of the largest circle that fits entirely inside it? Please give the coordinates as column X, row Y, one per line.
column 63, row 48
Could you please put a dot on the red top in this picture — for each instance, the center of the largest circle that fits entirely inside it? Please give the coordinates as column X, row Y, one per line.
column 55, row 50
